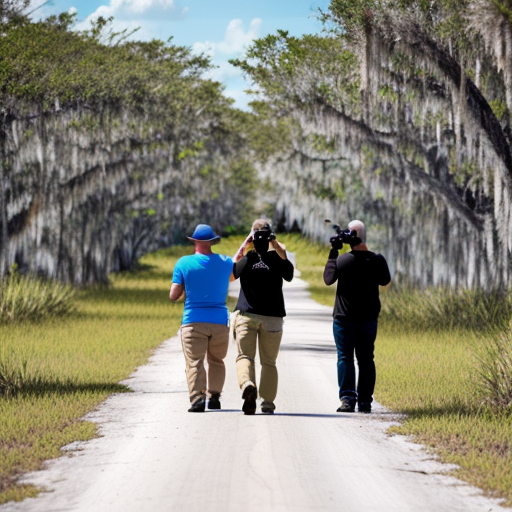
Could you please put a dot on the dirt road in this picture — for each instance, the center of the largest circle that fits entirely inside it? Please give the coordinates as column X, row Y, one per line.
column 154, row 456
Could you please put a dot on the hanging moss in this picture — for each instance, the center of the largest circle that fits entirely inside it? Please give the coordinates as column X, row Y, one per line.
column 421, row 137
column 92, row 133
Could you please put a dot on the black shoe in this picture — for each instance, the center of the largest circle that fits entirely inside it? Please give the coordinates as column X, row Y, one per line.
column 249, row 396
column 365, row 407
column 197, row 406
column 214, row 402
column 347, row 405
column 268, row 408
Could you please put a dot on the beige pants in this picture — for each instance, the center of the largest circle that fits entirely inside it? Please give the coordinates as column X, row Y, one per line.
column 200, row 340
column 266, row 332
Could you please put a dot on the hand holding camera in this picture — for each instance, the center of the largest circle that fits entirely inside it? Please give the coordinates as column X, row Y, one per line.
column 262, row 240
column 264, row 234
column 336, row 242
column 343, row 237
column 240, row 253
column 249, row 239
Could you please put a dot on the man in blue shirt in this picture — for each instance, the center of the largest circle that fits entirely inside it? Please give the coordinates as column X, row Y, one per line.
column 204, row 279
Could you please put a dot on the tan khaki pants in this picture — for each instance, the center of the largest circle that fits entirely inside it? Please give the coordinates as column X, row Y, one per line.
column 199, row 340
column 265, row 332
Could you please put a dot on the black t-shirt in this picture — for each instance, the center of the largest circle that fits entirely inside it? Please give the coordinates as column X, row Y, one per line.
column 261, row 283
column 359, row 274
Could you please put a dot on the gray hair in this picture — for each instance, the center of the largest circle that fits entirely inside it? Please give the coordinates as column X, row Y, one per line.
column 358, row 226
column 259, row 224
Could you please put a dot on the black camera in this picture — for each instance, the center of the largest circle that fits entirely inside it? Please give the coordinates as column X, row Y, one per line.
column 264, row 234
column 343, row 237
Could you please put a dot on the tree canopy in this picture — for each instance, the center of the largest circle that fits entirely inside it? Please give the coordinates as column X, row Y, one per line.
column 110, row 147
column 401, row 116
column 398, row 114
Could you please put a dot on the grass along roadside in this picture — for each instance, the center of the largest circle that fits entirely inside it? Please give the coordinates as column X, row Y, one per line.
column 68, row 366
column 430, row 371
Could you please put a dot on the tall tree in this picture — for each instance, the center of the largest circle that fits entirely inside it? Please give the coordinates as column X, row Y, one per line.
column 110, row 148
column 392, row 126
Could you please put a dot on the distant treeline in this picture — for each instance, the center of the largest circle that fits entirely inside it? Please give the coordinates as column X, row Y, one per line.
column 399, row 114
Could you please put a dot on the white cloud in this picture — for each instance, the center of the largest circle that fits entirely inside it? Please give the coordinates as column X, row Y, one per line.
column 39, row 9
column 238, row 93
column 235, row 39
column 140, row 6
column 133, row 13
column 223, row 70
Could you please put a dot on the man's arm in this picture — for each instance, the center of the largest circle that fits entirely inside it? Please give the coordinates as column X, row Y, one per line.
column 177, row 292
column 239, row 266
column 241, row 250
column 280, row 249
column 287, row 269
column 330, row 270
column 384, row 274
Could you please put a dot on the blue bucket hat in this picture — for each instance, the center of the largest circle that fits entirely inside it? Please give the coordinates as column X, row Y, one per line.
column 204, row 233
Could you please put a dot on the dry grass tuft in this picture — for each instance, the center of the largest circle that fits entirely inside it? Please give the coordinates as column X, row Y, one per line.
column 494, row 363
column 25, row 298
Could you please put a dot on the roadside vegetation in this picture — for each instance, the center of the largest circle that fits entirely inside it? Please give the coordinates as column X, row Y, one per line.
column 399, row 113
column 29, row 298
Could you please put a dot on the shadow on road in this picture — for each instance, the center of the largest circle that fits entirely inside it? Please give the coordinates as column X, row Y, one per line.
column 309, row 348
column 276, row 414
column 307, row 415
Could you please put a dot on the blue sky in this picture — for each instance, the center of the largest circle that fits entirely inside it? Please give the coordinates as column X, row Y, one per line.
column 221, row 28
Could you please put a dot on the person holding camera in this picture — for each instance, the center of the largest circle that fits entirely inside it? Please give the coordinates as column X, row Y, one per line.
column 203, row 278
column 259, row 314
column 359, row 274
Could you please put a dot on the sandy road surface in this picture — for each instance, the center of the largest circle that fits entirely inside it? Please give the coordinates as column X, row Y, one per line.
column 154, row 456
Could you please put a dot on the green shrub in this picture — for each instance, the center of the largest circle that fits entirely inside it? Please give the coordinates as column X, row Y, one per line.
column 28, row 298
column 494, row 356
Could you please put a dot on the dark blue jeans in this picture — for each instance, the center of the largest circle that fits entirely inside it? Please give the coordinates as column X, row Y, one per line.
column 355, row 338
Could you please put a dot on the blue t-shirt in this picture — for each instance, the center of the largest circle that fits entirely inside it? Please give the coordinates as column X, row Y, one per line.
column 206, row 281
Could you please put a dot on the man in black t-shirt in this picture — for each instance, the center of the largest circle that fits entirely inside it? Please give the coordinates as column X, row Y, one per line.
column 359, row 273
column 260, row 311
